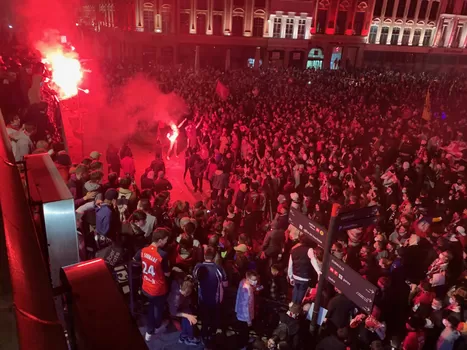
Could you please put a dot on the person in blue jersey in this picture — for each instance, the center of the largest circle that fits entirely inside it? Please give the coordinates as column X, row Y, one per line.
column 212, row 280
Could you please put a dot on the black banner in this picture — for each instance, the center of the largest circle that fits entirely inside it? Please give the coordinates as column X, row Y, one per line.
column 351, row 284
column 314, row 230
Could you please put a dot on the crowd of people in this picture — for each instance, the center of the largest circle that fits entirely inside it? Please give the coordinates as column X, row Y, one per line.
column 276, row 140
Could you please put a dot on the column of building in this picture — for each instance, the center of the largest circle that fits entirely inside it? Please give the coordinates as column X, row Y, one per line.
column 391, row 28
column 314, row 15
column 349, row 24
column 380, row 27
column 228, row 17
column 248, row 18
column 331, row 18
column 368, row 16
column 209, row 17
column 193, row 17
column 139, row 15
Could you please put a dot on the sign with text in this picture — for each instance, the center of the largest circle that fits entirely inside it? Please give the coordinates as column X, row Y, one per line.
column 314, row 230
column 351, row 284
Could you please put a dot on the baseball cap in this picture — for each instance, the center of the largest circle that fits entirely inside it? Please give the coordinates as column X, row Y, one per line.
column 94, row 155
column 242, row 248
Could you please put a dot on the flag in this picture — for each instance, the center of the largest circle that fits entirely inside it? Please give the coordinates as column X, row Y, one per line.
column 427, row 108
column 222, row 91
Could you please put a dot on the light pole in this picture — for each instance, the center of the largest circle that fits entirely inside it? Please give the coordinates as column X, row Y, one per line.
column 325, row 269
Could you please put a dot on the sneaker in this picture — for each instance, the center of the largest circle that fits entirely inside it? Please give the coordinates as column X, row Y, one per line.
column 147, row 337
column 191, row 341
column 181, row 339
column 162, row 328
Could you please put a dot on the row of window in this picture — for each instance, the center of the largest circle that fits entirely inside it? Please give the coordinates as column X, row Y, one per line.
column 149, row 21
column 394, row 39
column 428, row 8
column 218, row 5
column 446, row 34
column 218, row 25
column 289, row 23
column 343, row 22
column 398, row 12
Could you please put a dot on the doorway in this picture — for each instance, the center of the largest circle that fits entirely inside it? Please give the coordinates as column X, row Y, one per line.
column 315, row 59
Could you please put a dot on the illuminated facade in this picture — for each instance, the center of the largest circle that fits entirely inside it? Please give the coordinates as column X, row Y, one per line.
column 315, row 33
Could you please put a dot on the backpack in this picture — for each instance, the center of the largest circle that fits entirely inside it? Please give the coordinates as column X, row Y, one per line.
column 123, row 204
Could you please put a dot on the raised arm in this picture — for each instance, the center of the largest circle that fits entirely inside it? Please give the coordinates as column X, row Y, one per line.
column 181, row 124
column 199, row 123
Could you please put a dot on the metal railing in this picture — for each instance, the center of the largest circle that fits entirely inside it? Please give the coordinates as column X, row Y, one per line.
column 36, row 318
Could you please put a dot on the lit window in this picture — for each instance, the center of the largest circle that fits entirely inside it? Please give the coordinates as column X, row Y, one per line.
column 372, row 36
column 276, row 32
column 289, row 28
column 258, row 26
column 148, row 20
column 301, row 29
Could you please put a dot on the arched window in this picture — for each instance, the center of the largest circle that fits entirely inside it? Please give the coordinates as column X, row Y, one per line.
column 166, row 19
column 148, row 17
column 200, row 23
column 237, row 26
column 258, row 27
column 372, row 36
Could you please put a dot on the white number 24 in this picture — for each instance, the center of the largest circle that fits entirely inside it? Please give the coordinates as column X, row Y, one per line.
column 148, row 270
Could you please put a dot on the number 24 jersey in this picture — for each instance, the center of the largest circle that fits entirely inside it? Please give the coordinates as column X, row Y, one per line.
column 154, row 265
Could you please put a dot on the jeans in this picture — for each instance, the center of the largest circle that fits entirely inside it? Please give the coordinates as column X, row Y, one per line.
column 299, row 291
column 155, row 311
column 187, row 329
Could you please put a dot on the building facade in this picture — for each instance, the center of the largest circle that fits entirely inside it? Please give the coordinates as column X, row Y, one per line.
column 415, row 34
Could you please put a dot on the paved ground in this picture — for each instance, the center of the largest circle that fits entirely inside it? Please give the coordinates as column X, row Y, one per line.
column 143, row 155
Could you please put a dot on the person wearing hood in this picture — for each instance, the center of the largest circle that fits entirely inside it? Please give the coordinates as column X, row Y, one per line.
column 273, row 243
column 127, row 199
column 219, row 181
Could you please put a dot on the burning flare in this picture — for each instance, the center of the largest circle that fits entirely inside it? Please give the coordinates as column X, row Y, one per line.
column 65, row 69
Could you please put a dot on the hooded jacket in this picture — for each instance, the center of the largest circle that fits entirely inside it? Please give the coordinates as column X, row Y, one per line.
column 220, row 180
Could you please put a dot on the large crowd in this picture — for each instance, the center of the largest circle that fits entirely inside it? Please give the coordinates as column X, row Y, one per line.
column 271, row 141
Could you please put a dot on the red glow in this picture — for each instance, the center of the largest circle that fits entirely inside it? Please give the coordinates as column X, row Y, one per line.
column 66, row 70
